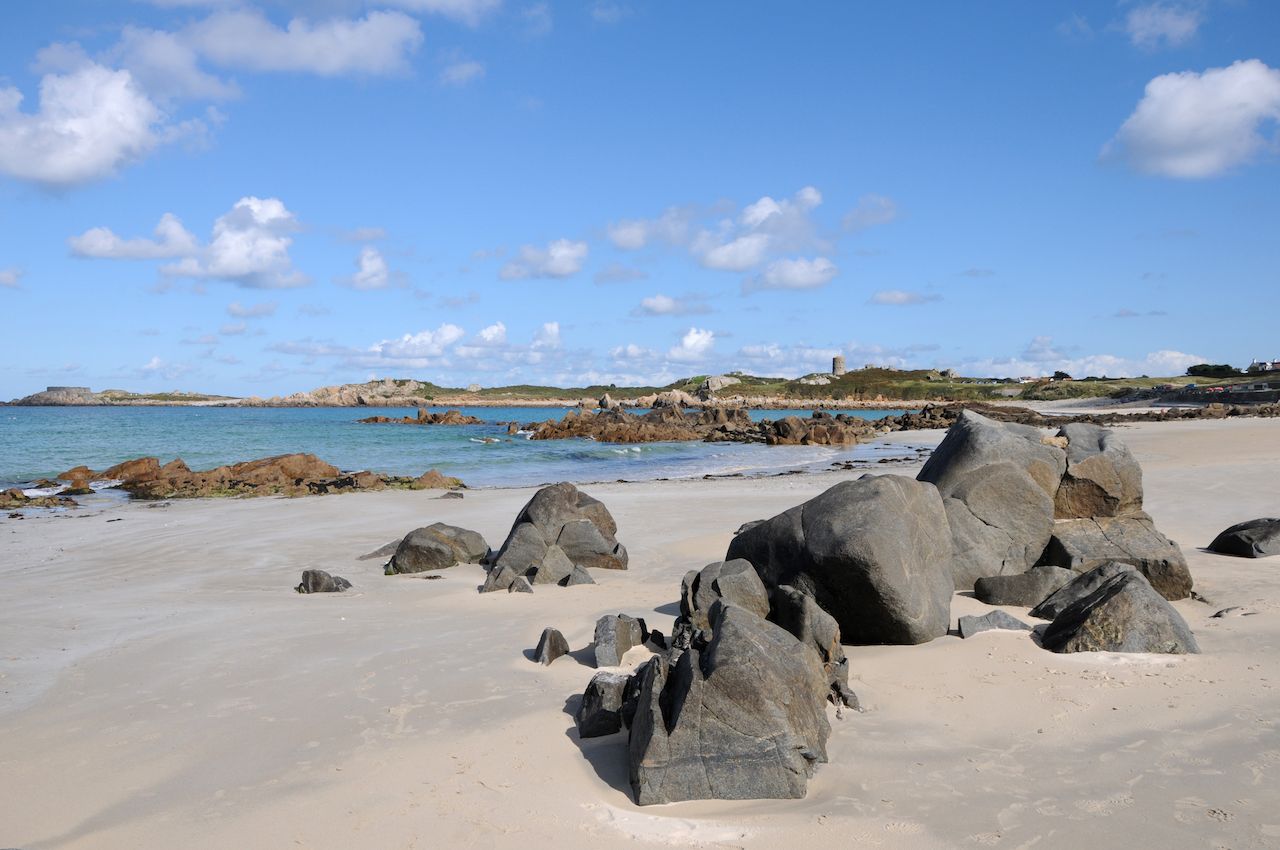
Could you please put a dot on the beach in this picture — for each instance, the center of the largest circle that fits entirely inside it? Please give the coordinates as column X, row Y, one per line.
column 161, row 685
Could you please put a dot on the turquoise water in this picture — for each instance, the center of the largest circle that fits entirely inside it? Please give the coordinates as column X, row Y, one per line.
column 38, row 442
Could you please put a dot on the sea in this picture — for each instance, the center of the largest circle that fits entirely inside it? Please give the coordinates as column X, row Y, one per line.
column 40, row 442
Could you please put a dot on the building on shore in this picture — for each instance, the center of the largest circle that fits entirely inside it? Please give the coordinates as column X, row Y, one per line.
column 1264, row 366
column 837, row 365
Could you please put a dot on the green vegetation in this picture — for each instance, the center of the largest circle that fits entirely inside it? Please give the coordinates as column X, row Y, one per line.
column 1213, row 370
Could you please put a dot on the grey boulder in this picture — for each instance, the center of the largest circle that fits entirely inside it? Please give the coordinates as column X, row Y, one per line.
column 551, row 645
column 578, row 576
column 1000, row 520
column 975, row 441
column 874, row 553
column 1080, row 586
column 436, row 547
column 318, row 581
column 384, row 551
column 736, row 582
column 1082, row 544
column 1256, row 538
column 742, row 719
column 616, row 634
column 499, row 578
column 996, row 620
column 1024, row 589
column 800, row 615
column 1124, row 614
column 1102, row 477
column 561, row 520
column 601, row 710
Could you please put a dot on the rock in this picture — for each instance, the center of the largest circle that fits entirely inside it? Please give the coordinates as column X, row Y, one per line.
column 874, row 553
column 800, row 615
column 384, row 551
column 736, row 582
column 1256, row 538
column 499, row 578
column 1101, row 479
column 551, row 645
column 1024, row 589
column 318, row 581
column 601, row 710
column 1000, row 520
column 436, row 547
column 615, row 634
column 996, row 620
column 452, row 494
column 1078, row 588
column 523, row 550
column 578, row 576
column 555, row 567
column 975, row 441
column 568, row 525
column 742, row 719
column 132, row 471
column 1124, row 614
column 519, row 584
column 449, row 417
column 433, row 479
column 1082, row 544
column 1234, row 611
column 747, row 526
column 585, row 545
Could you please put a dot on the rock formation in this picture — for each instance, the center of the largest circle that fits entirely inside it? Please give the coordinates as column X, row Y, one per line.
column 319, row 581
column 449, row 417
column 1256, row 538
column 1123, row 614
column 436, row 547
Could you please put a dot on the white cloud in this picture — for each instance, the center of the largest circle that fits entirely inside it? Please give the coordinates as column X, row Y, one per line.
column 740, row 254
column 379, row 43
column 665, row 305
column 900, row 297
column 763, row 227
column 870, row 211
column 618, row 273
column 371, row 271
column 1193, row 125
column 547, row 336
column 469, row 12
column 798, row 273
column 171, row 240
column 631, row 351
column 695, row 345
column 250, row 247
column 671, row 227
column 495, row 334
column 422, row 346
column 165, row 65
column 461, row 73
column 10, row 276
column 561, row 258
column 1042, row 357
column 91, row 122
column 252, row 311
column 1155, row 23
column 233, row 329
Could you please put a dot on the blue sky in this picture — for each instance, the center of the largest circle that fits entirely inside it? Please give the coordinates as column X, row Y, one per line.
column 264, row 196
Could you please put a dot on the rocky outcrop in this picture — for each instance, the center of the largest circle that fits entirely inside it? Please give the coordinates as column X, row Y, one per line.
column 1078, row 588
column 560, row 532
column 436, row 547
column 1124, row 614
column 449, row 417
column 1256, row 538
column 741, row 718
column 800, row 614
column 319, row 581
column 874, row 553
column 735, row 582
column 15, row 498
column 1083, row 544
column 1023, row 589
column 1102, row 479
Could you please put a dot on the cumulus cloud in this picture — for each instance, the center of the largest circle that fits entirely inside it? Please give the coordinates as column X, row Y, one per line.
column 372, row 271
column 461, row 73
column 166, row 65
column 547, row 336
column 495, row 334
column 898, row 297
column 695, row 345
column 171, row 240
column 561, row 258
column 763, row 227
column 799, row 273
column 10, row 276
column 378, row 43
column 252, row 311
column 870, row 211
column 1192, row 125
column 250, row 247
column 90, row 123
column 738, row 255
column 672, row 227
column 1161, row 24
column 1043, row 357
column 631, row 351
column 469, row 12
column 665, row 305
column 422, row 347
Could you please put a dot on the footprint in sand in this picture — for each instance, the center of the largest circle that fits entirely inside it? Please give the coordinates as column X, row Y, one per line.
column 1109, row 806
column 986, row 839
column 902, row 827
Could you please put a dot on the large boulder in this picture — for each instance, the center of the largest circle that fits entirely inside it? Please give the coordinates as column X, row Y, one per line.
column 1077, row 588
column 600, row 712
column 1024, row 589
column 975, row 441
column 436, row 547
column 1256, row 538
column 1000, row 520
column 551, row 645
column 1124, row 614
column 742, row 719
column 615, row 635
column 736, row 582
column 319, row 581
column 800, row 615
column 874, row 553
column 574, row 528
column 1082, row 544
column 1102, row 478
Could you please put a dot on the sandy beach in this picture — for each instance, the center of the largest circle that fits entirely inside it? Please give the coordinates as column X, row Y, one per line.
column 161, row 685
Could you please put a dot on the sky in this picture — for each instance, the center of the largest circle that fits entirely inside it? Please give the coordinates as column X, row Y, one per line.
column 256, row 197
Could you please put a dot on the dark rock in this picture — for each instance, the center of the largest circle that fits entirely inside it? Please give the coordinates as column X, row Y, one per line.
column 975, row 441
column 384, row 551
column 499, row 578
column 875, row 553
column 551, row 645
column 1000, row 520
column 585, row 545
column 615, row 634
column 436, row 547
column 970, row 625
column 736, row 582
column 1234, row 611
column 800, row 615
column 452, row 494
column 523, row 550
column 563, row 521
column 578, row 576
column 1078, row 588
column 747, row 526
column 601, row 710
column 318, row 581
column 1082, row 544
column 1256, row 538
column 1124, row 614
column 1025, row 589
column 519, row 584
column 1102, row 478
column 742, row 719
column 554, row 569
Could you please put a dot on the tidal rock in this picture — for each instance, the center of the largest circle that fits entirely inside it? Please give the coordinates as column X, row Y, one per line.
column 800, row 615
column 1080, row 586
column 1102, row 478
column 1025, row 589
column 1082, row 544
column 601, row 710
column 615, row 634
column 1000, row 520
column 874, row 553
column 563, row 521
column 975, row 441
column 742, row 719
column 551, row 645
column 1124, row 614
column 318, row 581
column 736, row 582
column 436, row 547
column 1256, row 538
column 970, row 626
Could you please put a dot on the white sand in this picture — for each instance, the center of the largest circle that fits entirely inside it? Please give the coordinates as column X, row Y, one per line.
column 162, row 686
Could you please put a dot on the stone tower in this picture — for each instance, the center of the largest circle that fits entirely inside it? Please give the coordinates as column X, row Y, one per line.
column 837, row 365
